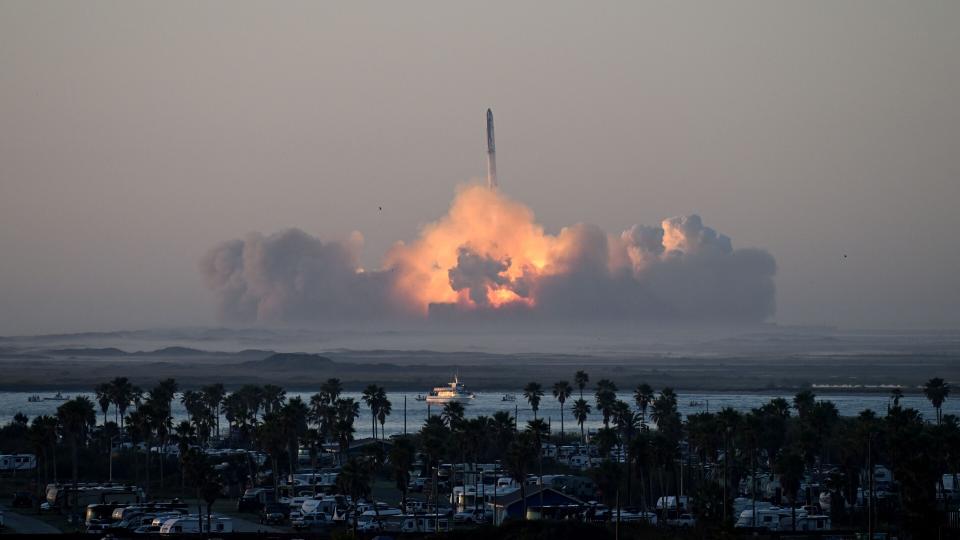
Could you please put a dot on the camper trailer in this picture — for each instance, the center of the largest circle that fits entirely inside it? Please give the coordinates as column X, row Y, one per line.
column 18, row 462
column 192, row 524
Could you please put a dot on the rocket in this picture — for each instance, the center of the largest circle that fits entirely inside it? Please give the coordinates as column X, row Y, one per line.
column 491, row 153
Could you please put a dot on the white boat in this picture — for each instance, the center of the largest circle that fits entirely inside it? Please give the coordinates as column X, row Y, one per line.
column 454, row 391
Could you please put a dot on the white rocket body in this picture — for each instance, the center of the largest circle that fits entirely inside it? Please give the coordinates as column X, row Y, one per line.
column 491, row 153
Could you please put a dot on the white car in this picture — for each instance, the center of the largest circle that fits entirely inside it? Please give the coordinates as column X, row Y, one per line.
column 311, row 521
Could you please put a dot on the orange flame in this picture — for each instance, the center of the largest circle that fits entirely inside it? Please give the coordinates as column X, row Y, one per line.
column 487, row 223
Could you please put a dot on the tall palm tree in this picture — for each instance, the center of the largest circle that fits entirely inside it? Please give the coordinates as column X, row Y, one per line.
column 581, row 379
column 518, row 460
column 271, row 439
column 369, row 397
column 347, row 410
column 402, row 457
column 581, row 410
column 354, row 480
column 453, row 413
column 122, row 393
column 803, row 402
column 643, row 395
column 331, row 389
column 201, row 475
column 43, row 434
column 937, row 391
column 76, row 417
column 504, row 429
column 533, row 393
column 104, row 393
column 383, row 411
column 273, row 397
column 790, row 467
column 562, row 390
column 293, row 418
column 213, row 396
column 606, row 396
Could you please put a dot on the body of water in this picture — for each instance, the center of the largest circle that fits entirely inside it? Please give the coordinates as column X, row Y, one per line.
column 487, row 403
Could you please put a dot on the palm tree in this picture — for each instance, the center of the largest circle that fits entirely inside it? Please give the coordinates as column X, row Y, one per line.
column 643, row 395
column 331, row 389
column 270, row 438
column 803, row 402
column 504, row 429
column 213, row 396
column 402, row 456
column 122, row 393
column 581, row 410
column 606, row 395
column 518, row 460
column 383, row 411
column 273, row 397
column 76, row 417
column 453, row 413
column 369, row 397
column 533, row 392
column 347, row 410
column 791, row 467
column 561, row 391
column 937, row 391
column 581, row 379
column 293, row 418
column 196, row 405
column 43, row 435
column 200, row 474
column 640, row 455
column 104, row 392
column 354, row 480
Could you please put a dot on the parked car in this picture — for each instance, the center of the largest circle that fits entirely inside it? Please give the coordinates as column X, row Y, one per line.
column 274, row 514
column 683, row 520
column 417, row 485
column 311, row 521
column 472, row 516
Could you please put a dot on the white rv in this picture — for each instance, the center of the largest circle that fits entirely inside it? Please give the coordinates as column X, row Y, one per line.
column 192, row 524
column 18, row 462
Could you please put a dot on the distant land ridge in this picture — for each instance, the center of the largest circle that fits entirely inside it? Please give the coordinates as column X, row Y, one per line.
column 291, row 361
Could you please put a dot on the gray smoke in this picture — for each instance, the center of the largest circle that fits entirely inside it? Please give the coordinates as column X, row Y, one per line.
column 678, row 271
column 292, row 276
column 475, row 273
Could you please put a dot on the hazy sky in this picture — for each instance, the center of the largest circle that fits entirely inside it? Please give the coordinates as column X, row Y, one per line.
column 136, row 135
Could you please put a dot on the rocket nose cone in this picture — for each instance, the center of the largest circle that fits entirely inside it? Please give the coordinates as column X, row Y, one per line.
column 489, row 114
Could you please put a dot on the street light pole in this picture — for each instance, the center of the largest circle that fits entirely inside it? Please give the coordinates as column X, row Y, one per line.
column 110, row 451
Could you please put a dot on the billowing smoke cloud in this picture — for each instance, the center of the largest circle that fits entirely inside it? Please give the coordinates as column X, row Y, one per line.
column 488, row 257
column 292, row 276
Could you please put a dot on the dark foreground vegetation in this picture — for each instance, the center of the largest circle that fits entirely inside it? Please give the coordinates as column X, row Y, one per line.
column 800, row 455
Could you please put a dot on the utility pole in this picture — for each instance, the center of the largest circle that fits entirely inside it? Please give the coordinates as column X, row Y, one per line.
column 870, row 510
column 404, row 414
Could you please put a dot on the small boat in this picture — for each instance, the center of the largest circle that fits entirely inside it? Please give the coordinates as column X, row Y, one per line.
column 508, row 397
column 420, row 397
column 57, row 397
column 34, row 399
column 454, row 391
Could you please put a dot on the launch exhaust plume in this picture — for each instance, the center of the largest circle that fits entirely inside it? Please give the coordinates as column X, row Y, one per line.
column 491, row 153
column 488, row 257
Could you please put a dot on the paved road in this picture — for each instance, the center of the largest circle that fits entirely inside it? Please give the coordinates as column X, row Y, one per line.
column 26, row 524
